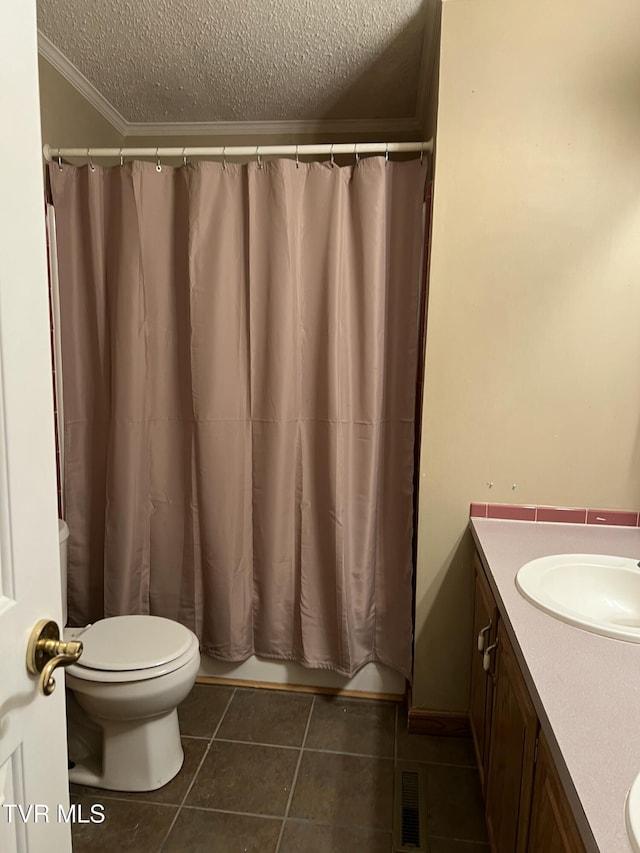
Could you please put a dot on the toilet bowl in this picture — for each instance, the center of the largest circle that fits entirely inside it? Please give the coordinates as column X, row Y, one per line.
column 122, row 697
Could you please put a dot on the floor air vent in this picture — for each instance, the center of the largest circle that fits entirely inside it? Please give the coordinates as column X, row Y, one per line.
column 409, row 824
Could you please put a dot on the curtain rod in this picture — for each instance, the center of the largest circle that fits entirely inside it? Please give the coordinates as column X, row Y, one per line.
column 355, row 148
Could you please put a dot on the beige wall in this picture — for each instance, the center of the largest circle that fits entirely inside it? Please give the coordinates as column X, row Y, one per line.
column 67, row 118
column 533, row 345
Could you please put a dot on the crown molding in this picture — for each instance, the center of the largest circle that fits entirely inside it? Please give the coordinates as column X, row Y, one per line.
column 77, row 79
column 274, row 128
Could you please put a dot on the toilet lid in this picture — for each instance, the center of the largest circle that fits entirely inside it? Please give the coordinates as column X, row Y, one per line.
column 133, row 642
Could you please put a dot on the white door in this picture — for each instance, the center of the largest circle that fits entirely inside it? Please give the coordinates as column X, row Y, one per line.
column 33, row 752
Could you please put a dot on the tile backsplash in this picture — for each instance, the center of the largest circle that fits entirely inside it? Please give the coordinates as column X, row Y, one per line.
column 566, row 515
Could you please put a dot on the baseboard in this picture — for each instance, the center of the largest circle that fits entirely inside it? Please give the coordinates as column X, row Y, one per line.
column 421, row 721
column 444, row 723
column 299, row 688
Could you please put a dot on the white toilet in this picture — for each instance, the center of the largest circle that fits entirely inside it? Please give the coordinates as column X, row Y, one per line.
column 122, row 697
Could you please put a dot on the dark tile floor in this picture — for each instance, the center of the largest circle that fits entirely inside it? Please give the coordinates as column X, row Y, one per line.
column 269, row 771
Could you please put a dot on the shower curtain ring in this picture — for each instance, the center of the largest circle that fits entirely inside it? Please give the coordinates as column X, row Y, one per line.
column 158, row 165
column 224, row 159
column 184, row 156
column 355, row 151
column 258, row 157
column 297, row 161
column 91, row 166
column 121, row 157
column 331, row 160
column 59, row 162
column 421, row 152
column 386, row 154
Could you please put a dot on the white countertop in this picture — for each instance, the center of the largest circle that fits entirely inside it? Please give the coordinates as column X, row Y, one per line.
column 586, row 688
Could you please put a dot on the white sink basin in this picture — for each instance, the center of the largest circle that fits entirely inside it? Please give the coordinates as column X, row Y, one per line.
column 632, row 815
column 594, row 592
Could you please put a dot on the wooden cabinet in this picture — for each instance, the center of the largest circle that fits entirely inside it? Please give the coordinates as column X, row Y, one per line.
column 553, row 828
column 514, row 730
column 525, row 805
column 485, row 626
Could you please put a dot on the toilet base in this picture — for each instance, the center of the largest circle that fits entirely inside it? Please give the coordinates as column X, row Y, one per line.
column 137, row 755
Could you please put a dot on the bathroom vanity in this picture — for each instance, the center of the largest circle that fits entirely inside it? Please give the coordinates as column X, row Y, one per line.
column 554, row 709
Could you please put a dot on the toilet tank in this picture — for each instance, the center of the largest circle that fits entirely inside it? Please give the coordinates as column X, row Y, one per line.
column 63, row 535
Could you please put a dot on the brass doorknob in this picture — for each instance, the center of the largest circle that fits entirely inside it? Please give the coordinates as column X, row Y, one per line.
column 46, row 651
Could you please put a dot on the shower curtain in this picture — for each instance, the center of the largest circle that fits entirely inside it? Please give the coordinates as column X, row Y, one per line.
column 239, row 350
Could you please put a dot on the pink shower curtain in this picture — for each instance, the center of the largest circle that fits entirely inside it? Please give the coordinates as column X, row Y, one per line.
column 239, row 364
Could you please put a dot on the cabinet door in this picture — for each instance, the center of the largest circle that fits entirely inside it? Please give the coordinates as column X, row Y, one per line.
column 511, row 756
column 553, row 828
column 485, row 616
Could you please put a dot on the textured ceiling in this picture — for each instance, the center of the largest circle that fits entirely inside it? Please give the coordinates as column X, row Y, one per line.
column 247, row 60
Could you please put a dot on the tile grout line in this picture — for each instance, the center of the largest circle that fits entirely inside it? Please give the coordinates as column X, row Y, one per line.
column 295, row 775
column 260, row 815
column 257, row 743
column 307, row 748
column 195, row 775
column 304, row 820
column 376, row 755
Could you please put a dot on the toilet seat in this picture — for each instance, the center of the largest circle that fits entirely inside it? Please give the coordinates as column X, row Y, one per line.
column 133, row 648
